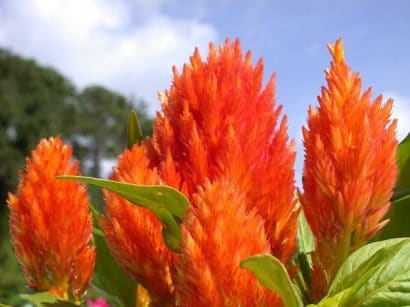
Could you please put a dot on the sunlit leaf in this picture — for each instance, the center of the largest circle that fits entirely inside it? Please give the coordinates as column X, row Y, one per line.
column 305, row 239
column 271, row 273
column 305, row 245
column 152, row 197
column 168, row 204
column 377, row 274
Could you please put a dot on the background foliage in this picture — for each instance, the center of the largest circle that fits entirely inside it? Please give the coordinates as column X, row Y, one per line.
column 36, row 102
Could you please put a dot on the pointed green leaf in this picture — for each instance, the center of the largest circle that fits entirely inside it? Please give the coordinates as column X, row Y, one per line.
column 305, row 245
column 306, row 266
column 153, row 197
column 377, row 274
column 134, row 133
column 305, row 239
column 109, row 280
column 41, row 299
column 168, row 204
column 271, row 273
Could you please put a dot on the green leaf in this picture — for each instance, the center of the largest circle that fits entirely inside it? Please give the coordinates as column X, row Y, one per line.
column 109, row 280
column 332, row 301
column 4, row 305
column 152, row 197
column 271, row 273
column 168, row 204
column 377, row 274
column 45, row 299
column 398, row 225
column 305, row 239
column 399, row 211
column 358, row 263
column 403, row 162
column 305, row 245
column 134, row 133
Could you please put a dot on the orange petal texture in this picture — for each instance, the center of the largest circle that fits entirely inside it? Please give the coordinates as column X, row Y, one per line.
column 133, row 233
column 50, row 223
column 350, row 167
column 218, row 233
column 218, row 121
column 218, row 124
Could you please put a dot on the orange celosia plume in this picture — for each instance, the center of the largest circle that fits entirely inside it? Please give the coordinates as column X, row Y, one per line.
column 133, row 233
column 218, row 233
column 350, row 167
column 219, row 122
column 50, row 223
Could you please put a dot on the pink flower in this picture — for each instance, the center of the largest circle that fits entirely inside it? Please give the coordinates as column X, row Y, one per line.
column 98, row 302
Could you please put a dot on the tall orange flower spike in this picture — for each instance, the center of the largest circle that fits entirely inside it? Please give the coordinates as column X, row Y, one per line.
column 50, row 223
column 350, row 167
column 218, row 233
column 133, row 233
column 217, row 121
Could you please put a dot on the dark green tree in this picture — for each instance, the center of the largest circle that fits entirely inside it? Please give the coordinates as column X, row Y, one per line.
column 37, row 102
column 101, row 126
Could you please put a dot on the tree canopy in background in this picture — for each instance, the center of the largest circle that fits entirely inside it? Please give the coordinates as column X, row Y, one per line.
column 100, row 129
column 35, row 102
column 38, row 101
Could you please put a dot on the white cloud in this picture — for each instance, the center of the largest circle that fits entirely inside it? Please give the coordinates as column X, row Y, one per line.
column 401, row 111
column 107, row 167
column 128, row 46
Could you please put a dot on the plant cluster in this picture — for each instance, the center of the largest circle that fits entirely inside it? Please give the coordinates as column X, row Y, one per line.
column 206, row 212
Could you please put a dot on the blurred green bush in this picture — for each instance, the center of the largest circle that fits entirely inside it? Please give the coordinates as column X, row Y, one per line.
column 36, row 102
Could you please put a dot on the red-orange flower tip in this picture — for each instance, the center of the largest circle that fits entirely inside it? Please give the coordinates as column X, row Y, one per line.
column 336, row 50
column 50, row 223
column 350, row 168
column 218, row 233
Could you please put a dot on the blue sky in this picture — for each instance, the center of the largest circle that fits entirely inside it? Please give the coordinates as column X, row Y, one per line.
column 130, row 46
column 291, row 36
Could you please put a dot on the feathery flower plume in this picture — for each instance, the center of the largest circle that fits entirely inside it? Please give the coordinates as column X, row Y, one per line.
column 218, row 233
column 50, row 223
column 133, row 233
column 350, row 167
column 218, row 121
